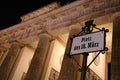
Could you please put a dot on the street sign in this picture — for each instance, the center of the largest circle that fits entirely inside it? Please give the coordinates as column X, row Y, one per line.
column 88, row 43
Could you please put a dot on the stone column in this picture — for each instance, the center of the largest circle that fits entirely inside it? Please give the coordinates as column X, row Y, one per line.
column 115, row 60
column 69, row 69
column 38, row 60
column 9, row 61
column 3, row 54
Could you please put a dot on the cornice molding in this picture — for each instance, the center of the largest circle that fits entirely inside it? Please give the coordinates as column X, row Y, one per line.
column 40, row 11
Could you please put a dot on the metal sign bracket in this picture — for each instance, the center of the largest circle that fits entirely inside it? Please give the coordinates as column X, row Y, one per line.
column 87, row 29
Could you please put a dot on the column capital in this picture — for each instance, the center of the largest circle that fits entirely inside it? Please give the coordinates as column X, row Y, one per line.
column 17, row 43
column 76, row 26
column 117, row 14
column 2, row 48
column 45, row 35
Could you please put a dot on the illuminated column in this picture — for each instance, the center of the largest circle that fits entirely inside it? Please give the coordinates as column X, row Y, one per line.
column 3, row 54
column 115, row 60
column 69, row 69
column 37, row 64
column 7, row 65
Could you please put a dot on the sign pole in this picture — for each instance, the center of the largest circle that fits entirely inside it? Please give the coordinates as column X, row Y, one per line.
column 87, row 30
column 84, row 66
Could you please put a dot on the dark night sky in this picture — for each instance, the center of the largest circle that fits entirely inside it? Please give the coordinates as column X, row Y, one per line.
column 11, row 10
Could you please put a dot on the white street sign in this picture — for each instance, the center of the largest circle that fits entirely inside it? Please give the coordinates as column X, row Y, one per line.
column 88, row 43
